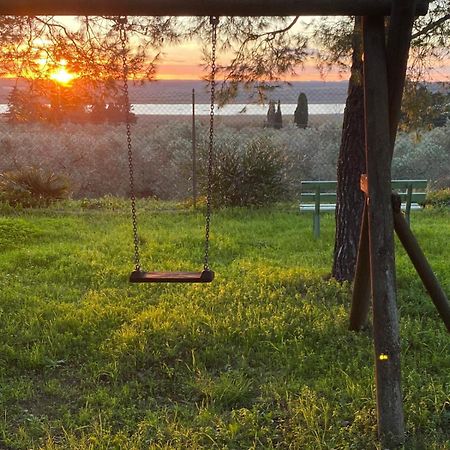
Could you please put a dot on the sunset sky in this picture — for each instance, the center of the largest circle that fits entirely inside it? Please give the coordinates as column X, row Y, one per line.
column 184, row 62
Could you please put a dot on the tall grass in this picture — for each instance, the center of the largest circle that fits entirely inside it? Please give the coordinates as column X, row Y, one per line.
column 261, row 358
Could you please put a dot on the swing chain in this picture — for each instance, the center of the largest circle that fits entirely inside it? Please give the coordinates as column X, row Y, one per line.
column 123, row 40
column 214, row 21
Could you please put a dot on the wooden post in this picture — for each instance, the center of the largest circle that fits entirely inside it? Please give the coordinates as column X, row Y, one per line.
column 399, row 40
column 194, row 153
column 361, row 286
column 381, row 234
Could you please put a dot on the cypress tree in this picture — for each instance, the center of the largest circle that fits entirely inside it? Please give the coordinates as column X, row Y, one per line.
column 271, row 115
column 301, row 112
column 278, row 117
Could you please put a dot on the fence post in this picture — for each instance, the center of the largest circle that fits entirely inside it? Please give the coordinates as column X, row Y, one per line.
column 194, row 153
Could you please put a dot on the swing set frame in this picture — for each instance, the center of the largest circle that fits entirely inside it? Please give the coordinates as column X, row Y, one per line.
column 385, row 63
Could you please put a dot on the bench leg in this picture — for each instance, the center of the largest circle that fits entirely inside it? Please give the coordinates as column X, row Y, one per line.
column 408, row 204
column 316, row 216
column 316, row 225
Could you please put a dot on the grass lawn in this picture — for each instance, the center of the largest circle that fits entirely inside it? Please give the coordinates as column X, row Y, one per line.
column 261, row 358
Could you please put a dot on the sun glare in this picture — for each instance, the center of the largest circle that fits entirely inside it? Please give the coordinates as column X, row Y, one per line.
column 61, row 75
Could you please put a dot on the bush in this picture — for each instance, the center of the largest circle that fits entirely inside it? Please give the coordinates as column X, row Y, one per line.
column 94, row 157
column 31, row 187
column 423, row 155
column 254, row 175
column 439, row 199
column 107, row 202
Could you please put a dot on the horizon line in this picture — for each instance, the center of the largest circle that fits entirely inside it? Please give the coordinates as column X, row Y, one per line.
column 287, row 81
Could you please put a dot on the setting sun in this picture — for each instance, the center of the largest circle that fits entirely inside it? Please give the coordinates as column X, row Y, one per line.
column 61, row 75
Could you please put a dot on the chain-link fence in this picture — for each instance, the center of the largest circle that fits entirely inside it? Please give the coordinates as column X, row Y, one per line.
column 171, row 128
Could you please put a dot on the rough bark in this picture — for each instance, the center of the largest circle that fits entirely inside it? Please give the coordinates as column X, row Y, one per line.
column 386, row 333
column 351, row 164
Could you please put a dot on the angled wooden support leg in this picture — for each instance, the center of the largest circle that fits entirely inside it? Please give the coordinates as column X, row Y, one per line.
column 420, row 262
column 361, row 285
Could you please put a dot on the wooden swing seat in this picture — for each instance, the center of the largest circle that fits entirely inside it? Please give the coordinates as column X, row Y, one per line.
column 206, row 276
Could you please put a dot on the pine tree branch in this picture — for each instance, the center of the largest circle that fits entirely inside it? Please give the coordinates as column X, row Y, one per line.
column 432, row 26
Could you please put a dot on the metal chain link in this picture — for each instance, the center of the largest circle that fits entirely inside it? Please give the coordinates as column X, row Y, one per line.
column 123, row 38
column 214, row 21
column 123, row 41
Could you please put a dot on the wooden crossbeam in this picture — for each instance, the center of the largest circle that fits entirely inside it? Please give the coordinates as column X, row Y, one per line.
column 201, row 7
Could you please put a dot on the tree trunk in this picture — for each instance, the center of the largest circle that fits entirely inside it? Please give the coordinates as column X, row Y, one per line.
column 351, row 164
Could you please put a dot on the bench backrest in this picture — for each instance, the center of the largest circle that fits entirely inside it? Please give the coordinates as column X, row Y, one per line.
column 325, row 191
column 414, row 189
column 322, row 191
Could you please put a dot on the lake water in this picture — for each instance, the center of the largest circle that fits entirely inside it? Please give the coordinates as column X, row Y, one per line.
column 231, row 109
column 183, row 109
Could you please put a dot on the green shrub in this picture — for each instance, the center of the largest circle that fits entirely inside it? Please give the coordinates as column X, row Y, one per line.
column 94, row 156
column 424, row 155
column 31, row 187
column 253, row 176
column 107, row 202
column 5, row 208
column 439, row 199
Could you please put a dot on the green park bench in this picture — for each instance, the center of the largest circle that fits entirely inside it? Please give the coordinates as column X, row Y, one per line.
column 319, row 196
